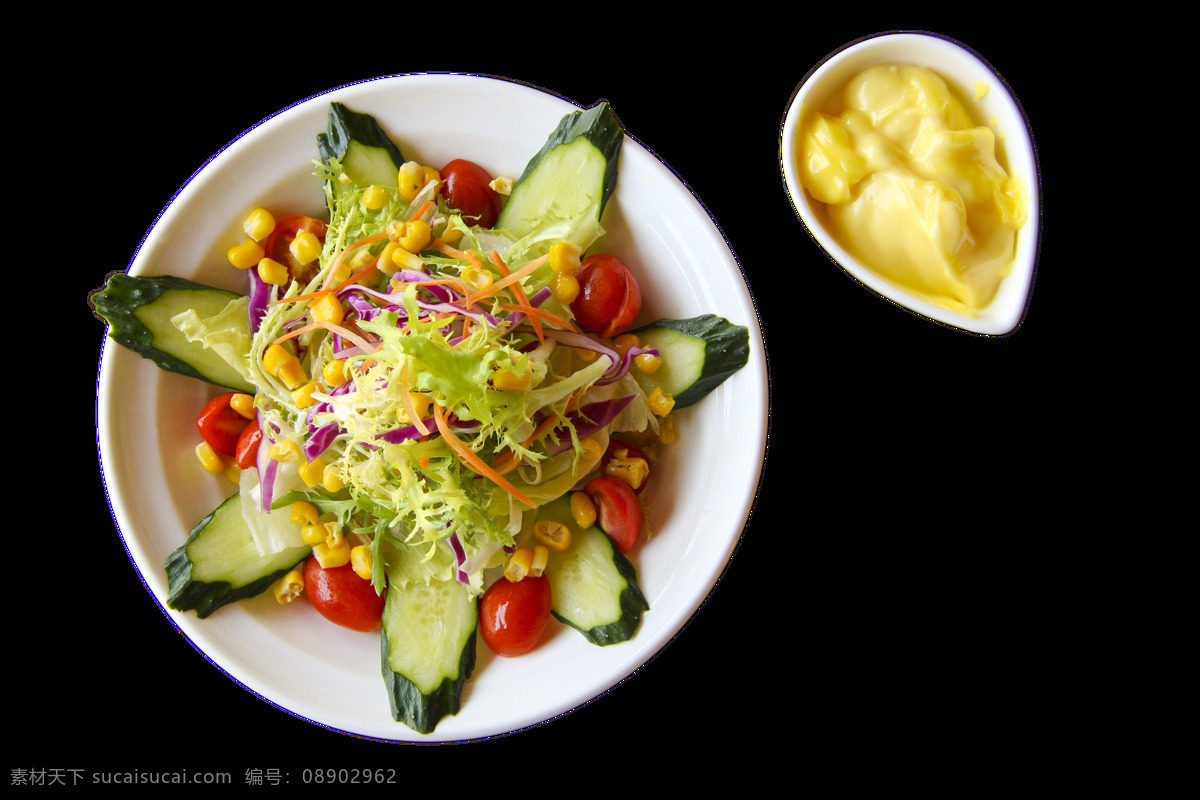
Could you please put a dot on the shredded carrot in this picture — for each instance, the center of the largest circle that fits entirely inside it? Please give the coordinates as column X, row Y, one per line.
column 436, row 321
column 428, row 204
column 453, row 252
column 519, row 293
column 296, row 332
column 508, row 280
column 342, row 255
column 348, row 334
column 468, row 457
column 507, row 461
column 454, row 283
column 355, row 278
column 546, row 315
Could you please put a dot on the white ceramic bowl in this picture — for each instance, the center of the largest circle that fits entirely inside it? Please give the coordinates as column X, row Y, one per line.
column 998, row 108
column 290, row 657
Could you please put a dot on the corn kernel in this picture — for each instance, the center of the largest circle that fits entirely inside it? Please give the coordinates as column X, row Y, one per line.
column 541, row 557
column 289, row 587
column 303, row 512
column 666, row 429
column 243, row 404
column 359, row 259
column 403, row 259
column 233, row 473
column 245, row 255
column 583, row 510
column 258, row 224
column 374, row 198
column 648, row 363
column 660, row 402
column 630, row 470
column 519, row 564
column 312, row 534
column 428, row 174
column 565, row 287
column 412, row 179
column 312, row 472
column 625, row 341
column 415, row 236
column 292, row 374
column 330, row 478
column 332, row 557
column 303, row 396
column 362, row 561
column 564, row 256
column 420, row 403
column 275, row 357
column 551, row 534
column 285, row 451
column 450, row 234
column 505, row 380
column 335, row 537
column 585, row 355
column 591, row 449
column 478, row 278
column 334, row 372
column 272, row 272
column 327, row 308
column 420, row 406
column 210, row 459
column 306, row 247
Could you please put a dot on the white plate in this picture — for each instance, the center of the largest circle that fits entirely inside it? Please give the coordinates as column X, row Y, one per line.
column 289, row 656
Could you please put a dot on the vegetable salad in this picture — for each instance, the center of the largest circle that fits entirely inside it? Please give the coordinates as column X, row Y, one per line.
column 422, row 376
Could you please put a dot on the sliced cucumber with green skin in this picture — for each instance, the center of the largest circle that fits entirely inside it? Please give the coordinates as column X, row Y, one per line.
column 219, row 564
column 593, row 587
column 139, row 309
column 698, row 355
column 574, row 174
column 428, row 650
column 366, row 154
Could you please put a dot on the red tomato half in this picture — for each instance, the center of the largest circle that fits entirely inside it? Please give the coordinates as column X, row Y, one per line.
column 609, row 296
column 618, row 512
column 220, row 425
column 246, row 453
column 342, row 597
column 513, row 614
column 278, row 244
column 466, row 187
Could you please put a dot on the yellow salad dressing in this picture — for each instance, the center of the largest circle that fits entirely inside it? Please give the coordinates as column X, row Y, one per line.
column 909, row 183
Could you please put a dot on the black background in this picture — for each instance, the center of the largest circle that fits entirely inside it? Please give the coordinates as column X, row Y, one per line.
column 883, row 599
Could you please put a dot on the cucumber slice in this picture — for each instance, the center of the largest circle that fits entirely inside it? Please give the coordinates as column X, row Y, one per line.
column 698, row 355
column 219, row 564
column 366, row 153
column 428, row 650
column 138, row 311
column 571, row 177
column 593, row 587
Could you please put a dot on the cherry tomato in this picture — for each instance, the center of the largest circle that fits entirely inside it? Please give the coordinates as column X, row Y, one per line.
column 623, row 451
column 220, row 425
column 609, row 296
column 618, row 512
column 246, row 452
column 466, row 187
column 513, row 614
column 278, row 243
column 342, row 597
